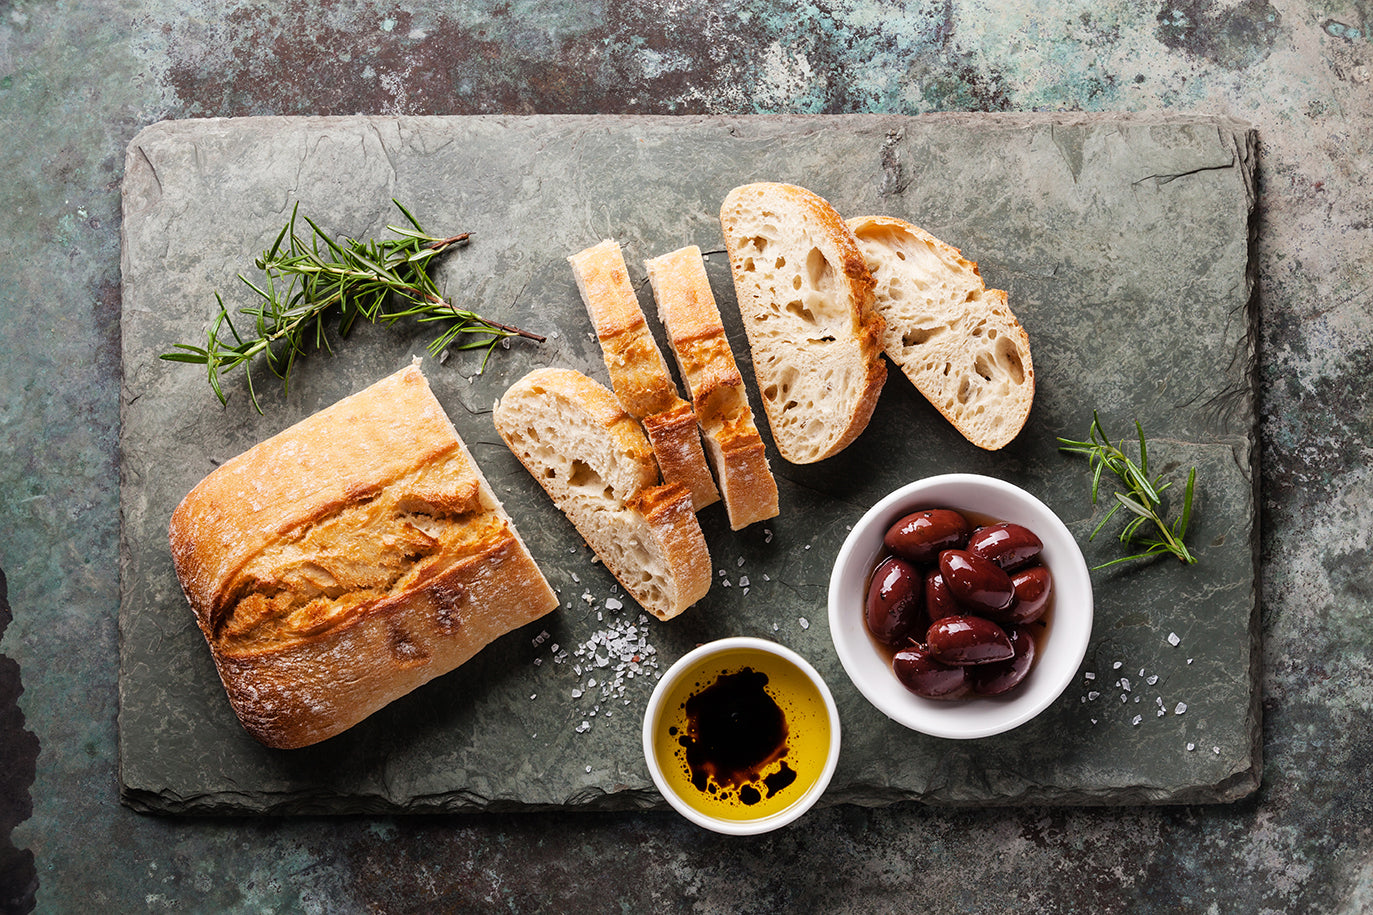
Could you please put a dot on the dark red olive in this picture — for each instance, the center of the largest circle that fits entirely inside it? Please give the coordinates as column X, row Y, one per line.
column 1033, row 588
column 968, row 640
column 920, row 537
column 1003, row 676
column 939, row 602
column 1007, row 544
column 978, row 584
column 923, row 675
column 895, row 601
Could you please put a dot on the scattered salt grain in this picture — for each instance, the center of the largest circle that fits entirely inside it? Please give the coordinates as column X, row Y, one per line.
column 1093, row 696
column 767, row 577
column 533, row 696
column 743, row 581
column 588, row 769
column 1174, row 639
column 1180, row 708
column 740, row 563
column 805, row 623
column 1191, row 746
column 767, row 535
column 1117, row 665
column 612, row 604
column 1136, row 720
column 1153, row 678
column 1215, row 750
column 1124, row 683
column 1089, row 676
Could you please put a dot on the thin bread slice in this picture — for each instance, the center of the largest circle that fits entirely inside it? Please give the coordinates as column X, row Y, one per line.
column 638, row 372
column 956, row 340
column 806, row 299
column 697, row 338
column 593, row 460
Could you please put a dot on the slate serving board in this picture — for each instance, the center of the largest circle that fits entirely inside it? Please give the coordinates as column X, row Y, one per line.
column 1123, row 241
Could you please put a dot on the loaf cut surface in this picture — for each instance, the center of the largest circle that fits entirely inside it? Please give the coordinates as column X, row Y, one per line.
column 687, row 308
column 807, row 305
column 955, row 339
column 595, row 463
column 638, row 372
column 347, row 560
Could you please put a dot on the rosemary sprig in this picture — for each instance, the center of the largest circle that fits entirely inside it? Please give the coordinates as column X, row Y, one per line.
column 309, row 279
column 1142, row 496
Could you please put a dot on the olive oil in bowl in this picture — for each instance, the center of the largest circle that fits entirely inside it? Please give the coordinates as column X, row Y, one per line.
column 741, row 735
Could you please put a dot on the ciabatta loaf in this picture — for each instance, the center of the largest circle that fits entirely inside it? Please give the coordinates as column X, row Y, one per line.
column 593, row 460
column 696, row 335
column 345, row 561
column 637, row 370
column 957, row 340
column 806, row 299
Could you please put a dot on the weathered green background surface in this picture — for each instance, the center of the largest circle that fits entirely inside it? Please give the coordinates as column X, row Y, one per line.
column 79, row 80
column 1123, row 241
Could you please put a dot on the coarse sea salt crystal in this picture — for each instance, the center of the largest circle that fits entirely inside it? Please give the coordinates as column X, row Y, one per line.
column 1180, row 708
column 613, row 604
column 1117, row 665
column 1136, row 720
column 1191, row 746
column 805, row 623
column 1174, row 639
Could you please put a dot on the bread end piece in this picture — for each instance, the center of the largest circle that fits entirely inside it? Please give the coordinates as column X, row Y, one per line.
column 957, row 341
column 696, row 334
column 595, row 463
column 347, row 560
column 806, row 299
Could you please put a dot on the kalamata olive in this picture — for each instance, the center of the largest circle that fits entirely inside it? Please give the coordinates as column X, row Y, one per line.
column 963, row 640
column 1033, row 588
column 978, row 584
column 920, row 537
column 998, row 678
column 923, row 675
column 1007, row 544
column 895, row 601
column 939, row 602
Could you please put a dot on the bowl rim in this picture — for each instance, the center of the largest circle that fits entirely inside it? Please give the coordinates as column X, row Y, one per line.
column 934, row 717
column 652, row 715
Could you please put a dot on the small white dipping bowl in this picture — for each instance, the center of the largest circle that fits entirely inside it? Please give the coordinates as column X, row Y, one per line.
column 813, row 706
column 1059, row 652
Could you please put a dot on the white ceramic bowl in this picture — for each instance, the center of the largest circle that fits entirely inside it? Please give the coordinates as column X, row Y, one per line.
column 802, row 696
column 1060, row 651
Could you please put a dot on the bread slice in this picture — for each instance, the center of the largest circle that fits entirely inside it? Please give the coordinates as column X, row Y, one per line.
column 345, row 561
column 594, row 461
column 806, row 299
column 697, row 338
column 957, row 340
column 637, row 370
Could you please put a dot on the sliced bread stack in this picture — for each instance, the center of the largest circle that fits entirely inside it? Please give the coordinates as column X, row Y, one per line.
column 638, row 372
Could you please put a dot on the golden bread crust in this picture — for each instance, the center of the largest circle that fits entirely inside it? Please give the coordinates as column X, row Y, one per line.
column 368, row 518
column 697, row 337
column 638, row 373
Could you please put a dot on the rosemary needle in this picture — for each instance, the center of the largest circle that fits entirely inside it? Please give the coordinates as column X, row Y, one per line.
column 1142, row 496
column 307, row 280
